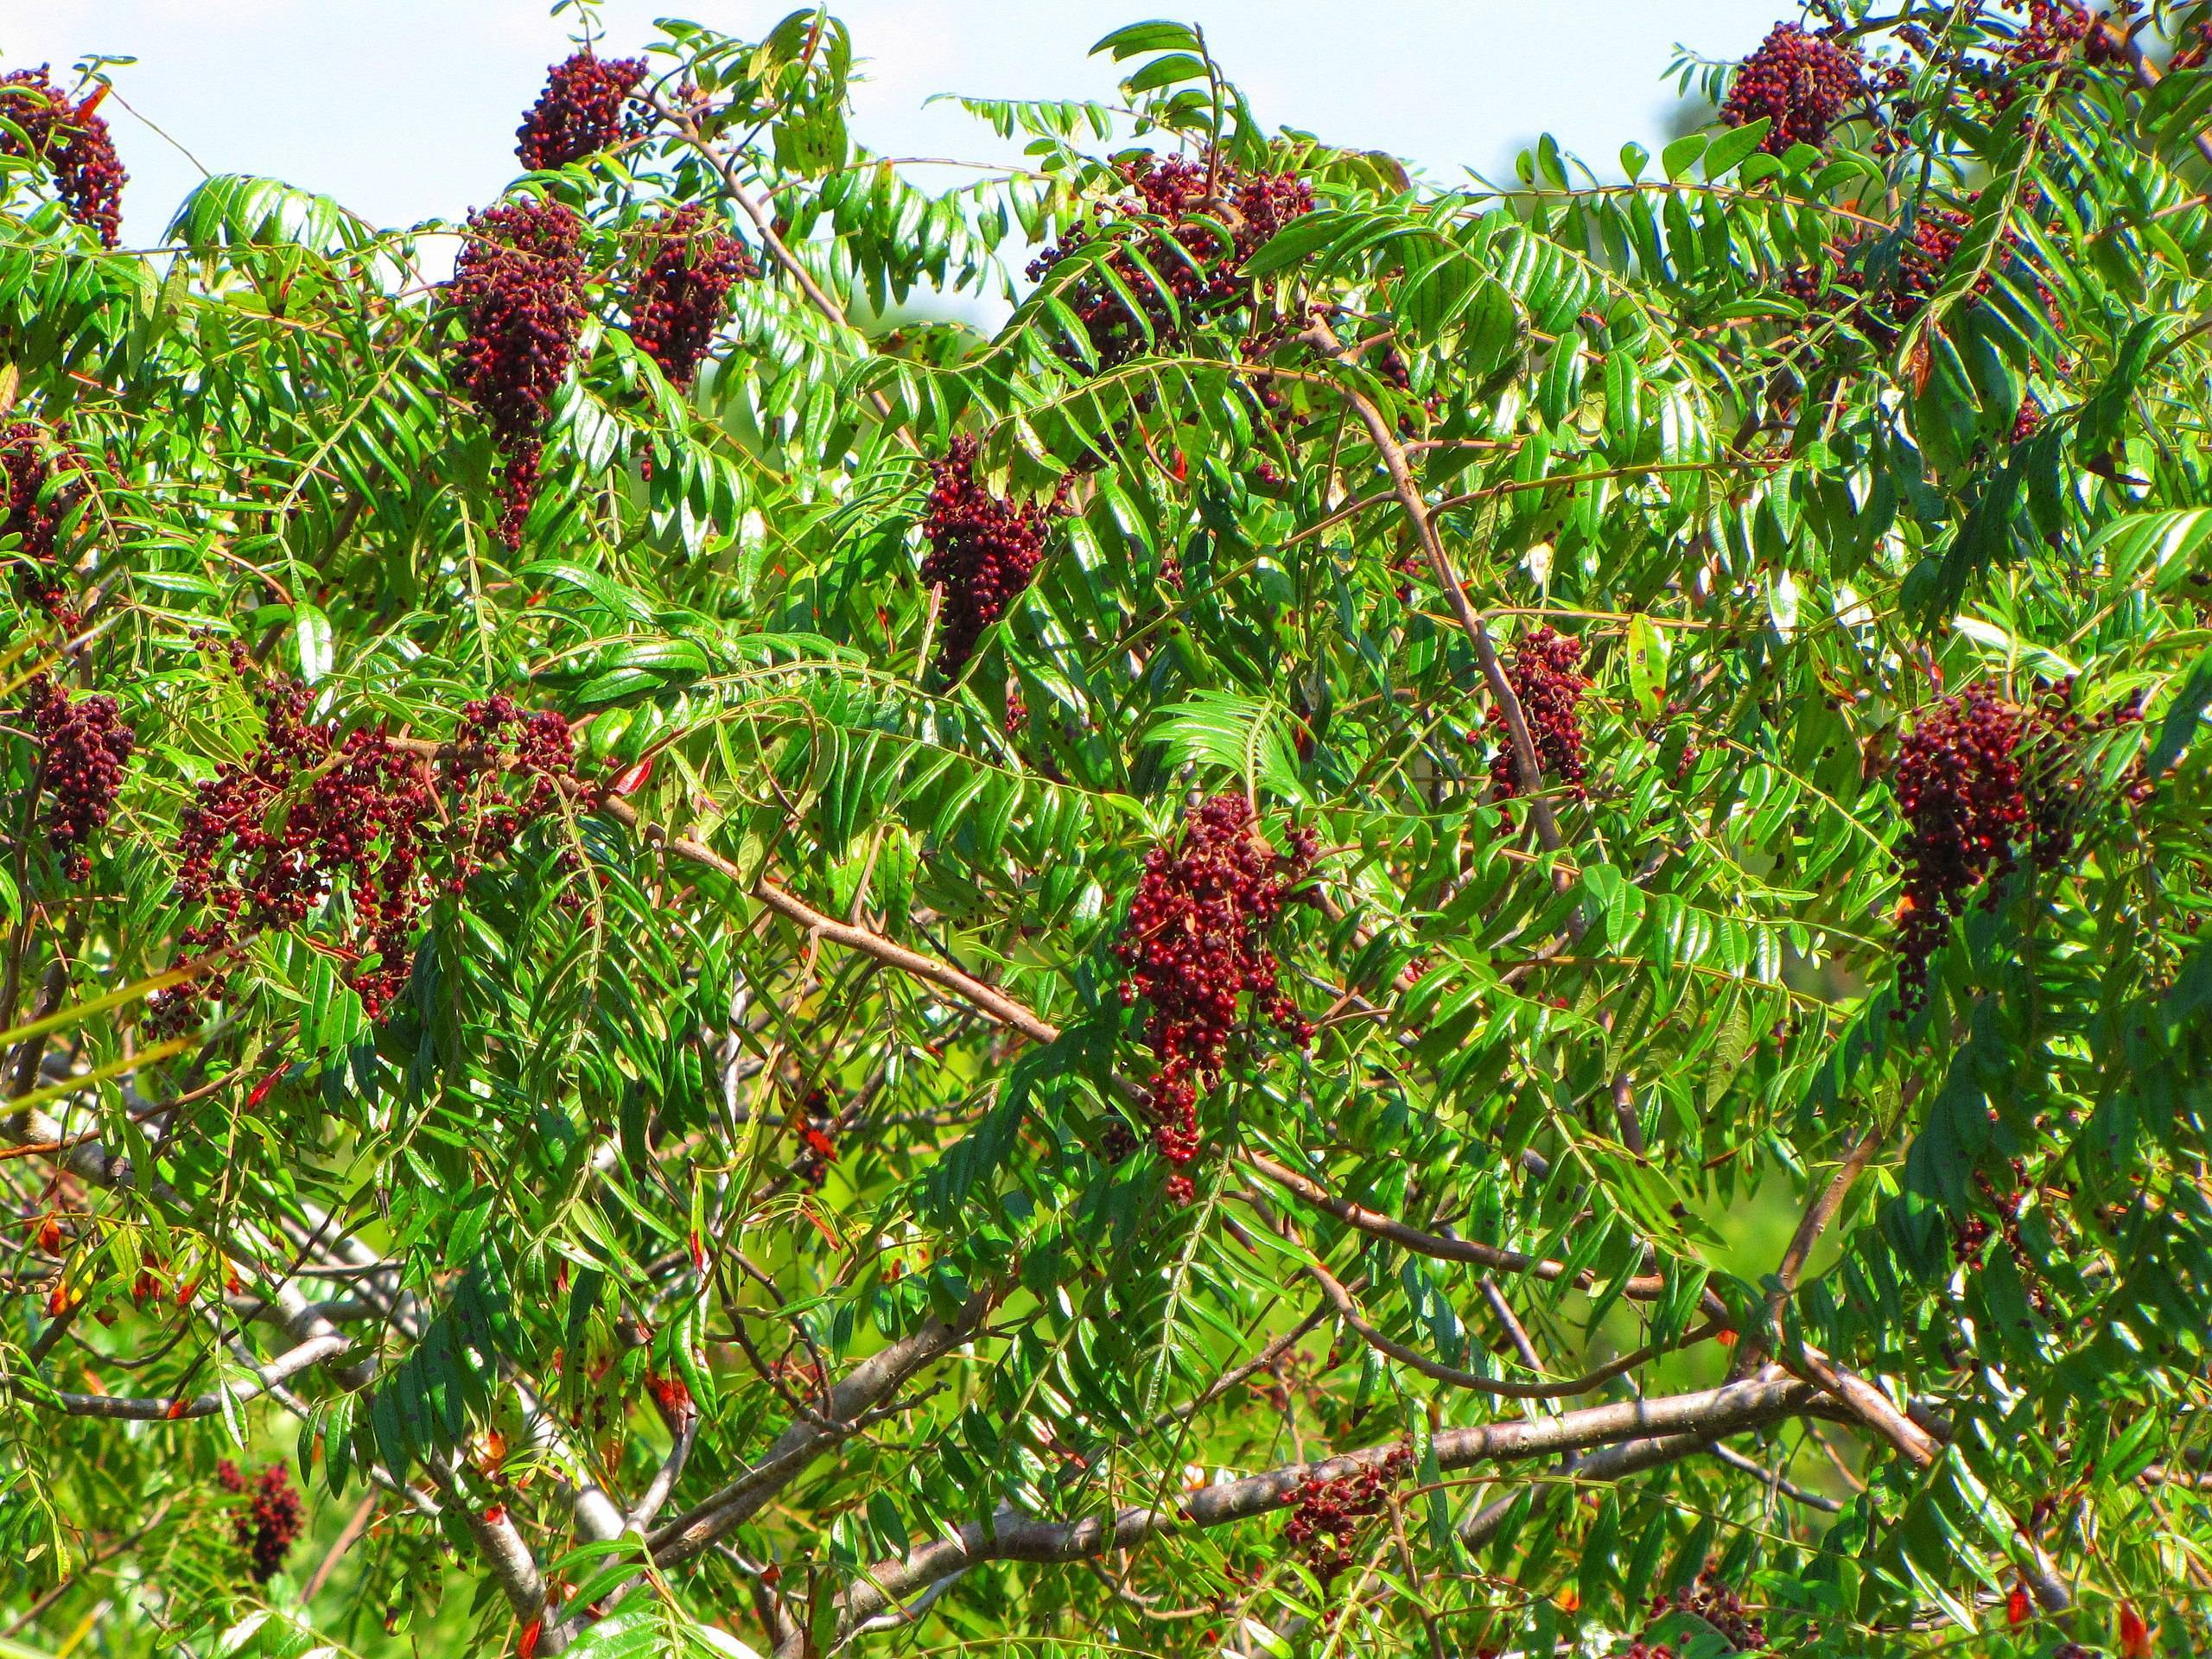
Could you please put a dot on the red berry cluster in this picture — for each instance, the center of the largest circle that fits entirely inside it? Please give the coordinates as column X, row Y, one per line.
column 1195, row 941
column 310, row 813
column 36, row 501
column 1976, row 777
column 498, row 736
column 682, row 294
column 1801, row 81
column 266, row 1527
column 1544, row 679
column 813, row 1123
column 82, row 748
column 268, row 839
column 1971, row 1237
column 2051, row 33
column 1194, row 220
column 74, row 144
column 1329, row 1512
column 1959, row 787
column 580, row 111
column 519, row 287
column 1719, row 1605
column 2058, row 30
column 983, row 552
column 1880, row 296
column 1117, row 1142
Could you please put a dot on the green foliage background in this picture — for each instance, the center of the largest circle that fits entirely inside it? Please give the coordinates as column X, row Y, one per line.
column 563, row 1171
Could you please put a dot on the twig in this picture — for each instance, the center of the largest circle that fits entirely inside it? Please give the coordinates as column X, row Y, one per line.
column 1795, row 1494
column 872, row 1380
column 650, row 1501
column 1348, row 1310
column 1319, row 334
column 1642, row 1288
column 1260, row 1361
column 356, row 1524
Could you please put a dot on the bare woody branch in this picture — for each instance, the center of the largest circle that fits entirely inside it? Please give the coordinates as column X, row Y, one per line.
column 1012, row 1536
column 862, row 1390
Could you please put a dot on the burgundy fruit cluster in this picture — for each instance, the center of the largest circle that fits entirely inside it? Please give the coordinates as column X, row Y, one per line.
column 83, row 746
column 518, row 285
column 1195, row 941
column 1194, row 221
column 682, row 294
column 1543, row 676
column 269, row 839
column 36, row 502
column 2059, row 30
column 1719, row 1605
column 1959, row 787
column 579, row 113
column 1801, row 81
column 1882, row 298
column 2031, row 41
column 498, row 740
column 73, row 143
column 266, row 1527
column 982, row 551
column 1977, row 778
column 1329, row 1513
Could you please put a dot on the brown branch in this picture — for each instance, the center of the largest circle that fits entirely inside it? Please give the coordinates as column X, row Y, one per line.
column 1322, row 339
column 1863, row 1402
column 356, row 1524
column 1643, row 1287
column 1348, row 1310
column 156, row 1409
column 1614, row 1462
column 1866, row 1403
column 1821, row 1211
column 1000, row 1006
column 1260, row 1361
column 861, row 1389
column 1766, row 1477
column 514, row 1567
column 1516, row 1332
column 1013, row 1536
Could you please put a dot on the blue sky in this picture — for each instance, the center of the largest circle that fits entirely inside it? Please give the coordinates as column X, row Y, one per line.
column 405, row 110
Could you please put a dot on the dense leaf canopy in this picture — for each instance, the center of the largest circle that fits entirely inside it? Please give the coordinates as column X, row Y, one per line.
column 1436, row 920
